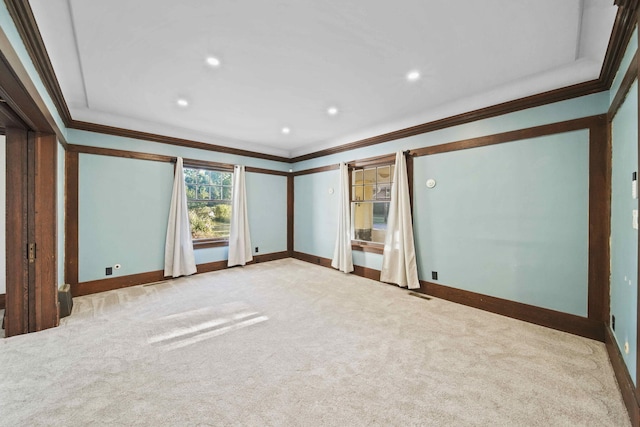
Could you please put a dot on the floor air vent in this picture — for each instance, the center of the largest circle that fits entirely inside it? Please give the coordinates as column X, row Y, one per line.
column 423, row 296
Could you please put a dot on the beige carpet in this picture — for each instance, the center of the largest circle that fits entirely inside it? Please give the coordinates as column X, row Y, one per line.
column 293, row 344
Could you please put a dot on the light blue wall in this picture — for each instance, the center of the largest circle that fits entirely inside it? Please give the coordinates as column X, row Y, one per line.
column 61, row 214
column 123, row 213
column 624, row 239
column 124, row 207
column 316, row 213
column 267, row 210
column 508, row 220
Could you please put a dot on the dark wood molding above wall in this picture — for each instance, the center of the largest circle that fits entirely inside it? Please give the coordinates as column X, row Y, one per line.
column 100, row 151
column 624, row 25
column 630, row 76
column 22, row 16
column 145, row 136
column 626, row 20
column 17, row 98
column 549, row 97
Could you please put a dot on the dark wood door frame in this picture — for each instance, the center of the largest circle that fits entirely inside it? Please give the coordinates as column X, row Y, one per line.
column 31, row 300
column 16, row 318
column 31, row 225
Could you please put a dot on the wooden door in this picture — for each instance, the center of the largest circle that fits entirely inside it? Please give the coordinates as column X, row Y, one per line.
column 31, row 295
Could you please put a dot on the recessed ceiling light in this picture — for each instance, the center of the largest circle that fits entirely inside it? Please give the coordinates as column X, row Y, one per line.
column 213, row 62
column 286, row 130
column 332, row 111
column 413, row 75
column 182, row 103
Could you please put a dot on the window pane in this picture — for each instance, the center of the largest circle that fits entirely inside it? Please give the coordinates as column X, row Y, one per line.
column 370, row 176
column 369, row 192
column 215, row 193
column 384, row 174
column 358, row 193
column 209, row 220
column 357, row 176
column 209, row 215
column 226, row 193
column 227, row 178
column 370, row 221
column 191, row 191
column 383, row 192
column 362, row 221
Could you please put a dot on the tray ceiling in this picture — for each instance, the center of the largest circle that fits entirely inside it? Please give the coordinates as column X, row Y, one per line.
column 331, row 71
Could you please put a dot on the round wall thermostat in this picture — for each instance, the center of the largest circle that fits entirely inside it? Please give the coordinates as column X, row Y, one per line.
column 431, row 183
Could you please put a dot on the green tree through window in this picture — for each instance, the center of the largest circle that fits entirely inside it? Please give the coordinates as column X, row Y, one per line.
column 209, row 202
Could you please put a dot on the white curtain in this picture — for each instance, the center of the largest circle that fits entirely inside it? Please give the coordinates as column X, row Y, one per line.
column 342, row 257
column 178, row 248
column 399, row 257
column 239, row 238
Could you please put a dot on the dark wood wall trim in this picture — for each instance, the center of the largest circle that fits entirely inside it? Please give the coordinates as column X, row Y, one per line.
column 100, row 151
column 313, row 259
column 623, row 27
column 483, row 141
column 162, row 139
column 599, row 220
column 86, row 149
column 577, row 325
column 17, row 293
column 103, row 285
column 13, row 92
column 269, row 257
column 71, row 164
column 45, row 296
column 588, row 328
column 22, row 16
column 290, row 214
column 637, row 94
column 549, row 97
column 2, row 302
column 630, row 76
column 251, row 169
column 500, row 138
column 627, row 388
column 317, row 170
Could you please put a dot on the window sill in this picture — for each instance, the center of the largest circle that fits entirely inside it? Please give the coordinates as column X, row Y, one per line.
column 376, row 248
column 209, row 243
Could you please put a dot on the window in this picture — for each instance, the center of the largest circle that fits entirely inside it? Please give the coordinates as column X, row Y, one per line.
column 370, row 198
column 209, row 203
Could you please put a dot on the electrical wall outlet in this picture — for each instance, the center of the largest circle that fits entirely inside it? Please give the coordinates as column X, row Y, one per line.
column 434, row 275
column 257, row 249
column 613, row 322
column 108, row 271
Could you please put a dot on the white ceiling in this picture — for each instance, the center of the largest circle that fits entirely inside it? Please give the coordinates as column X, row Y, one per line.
column 125, row 63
